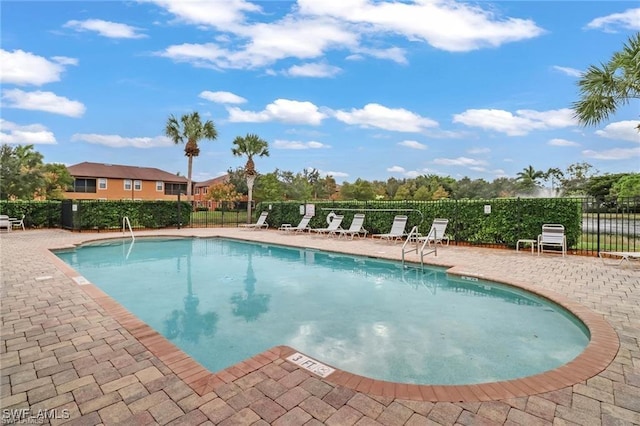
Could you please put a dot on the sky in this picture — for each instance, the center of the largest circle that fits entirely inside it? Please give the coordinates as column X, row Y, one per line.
column 367, row 89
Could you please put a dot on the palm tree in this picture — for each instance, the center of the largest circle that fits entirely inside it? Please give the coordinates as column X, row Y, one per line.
column 603, row 89
column 529, row 178
column 250, row 145
column 190, row 133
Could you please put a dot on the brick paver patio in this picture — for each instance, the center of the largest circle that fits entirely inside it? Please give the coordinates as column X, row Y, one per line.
column 70, row 352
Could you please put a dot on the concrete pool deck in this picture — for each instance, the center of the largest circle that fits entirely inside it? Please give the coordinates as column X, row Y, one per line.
column 70, row 350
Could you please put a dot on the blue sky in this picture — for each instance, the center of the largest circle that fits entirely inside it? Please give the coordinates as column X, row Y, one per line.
column 354, row 88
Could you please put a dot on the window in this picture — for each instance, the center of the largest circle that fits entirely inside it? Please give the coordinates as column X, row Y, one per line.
column 197, row 191
column 159, row 185
column 102, row 183
column 175, row 188
column 84, row 185
column 127, row 184
column 205, row 190
column 137, row 185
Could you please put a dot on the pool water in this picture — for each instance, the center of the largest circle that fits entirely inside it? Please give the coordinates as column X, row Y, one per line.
column 222, row 301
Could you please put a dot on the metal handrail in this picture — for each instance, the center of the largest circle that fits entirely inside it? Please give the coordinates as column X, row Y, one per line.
column 125, row 223
column 415, row 236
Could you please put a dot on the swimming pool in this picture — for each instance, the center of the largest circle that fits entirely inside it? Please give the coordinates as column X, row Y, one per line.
column 222, row 301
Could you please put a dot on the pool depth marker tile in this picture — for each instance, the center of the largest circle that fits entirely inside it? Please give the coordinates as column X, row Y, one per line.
column 310, row 364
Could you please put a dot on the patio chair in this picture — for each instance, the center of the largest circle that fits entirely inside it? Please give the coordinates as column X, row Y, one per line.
column 5, row 223
column 301, row 227
column 334, row 226
column 260, row 223
column 397, row 231
column 437, row 232
column 18, row 223
column 355, row 229
column 552, row 236
column 617, row 257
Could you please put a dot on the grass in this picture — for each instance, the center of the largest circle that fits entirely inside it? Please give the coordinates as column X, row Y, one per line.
column 608, row 243
column 226, row 218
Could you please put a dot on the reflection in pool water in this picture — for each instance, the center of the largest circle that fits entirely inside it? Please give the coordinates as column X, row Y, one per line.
column 223, row 301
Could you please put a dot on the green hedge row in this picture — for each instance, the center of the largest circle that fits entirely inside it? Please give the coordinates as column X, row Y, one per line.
column 38, row 214
column 90, row 214
column 508, row 221
column 141, row 214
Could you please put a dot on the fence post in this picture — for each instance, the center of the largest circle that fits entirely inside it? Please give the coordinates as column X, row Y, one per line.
column 598, row 227
column 179, row 213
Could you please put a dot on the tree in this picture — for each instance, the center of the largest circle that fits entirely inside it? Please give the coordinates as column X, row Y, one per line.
column 189, row 131
column 56, row 179
column 627, row 186
column 251, row 145
column 268, row 187
column 528, row 179
column 575, row 178
column 296, row 187
column 24, row 176
column 223, row 191
column 554, row 175
column 603, row 89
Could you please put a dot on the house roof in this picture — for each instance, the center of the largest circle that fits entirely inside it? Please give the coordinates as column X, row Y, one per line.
column 208, row 183
column 116, row 171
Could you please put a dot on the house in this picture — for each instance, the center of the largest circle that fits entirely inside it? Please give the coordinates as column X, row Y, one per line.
column 200, row 191
column 98, row 181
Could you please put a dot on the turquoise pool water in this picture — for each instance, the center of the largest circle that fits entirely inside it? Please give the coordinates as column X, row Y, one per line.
column 223, row 301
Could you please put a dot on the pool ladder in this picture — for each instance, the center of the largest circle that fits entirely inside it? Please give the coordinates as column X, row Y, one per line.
column 422, row 248
column 127, row 224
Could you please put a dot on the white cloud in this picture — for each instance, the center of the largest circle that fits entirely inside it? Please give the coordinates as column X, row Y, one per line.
column 333, row 174
column 627, row 20
column 445, row 25
column 283, row 110
column 571, row 72
column 105, row 28
column 613, row 154
column 222, row 97
column 621, row 130
column 376, row 115
column 31, row 134
column 562, row 142
column 283, row 144
column 313, row 70
column 395, row 54
column 479, row 151
column 116, row 141
column 263, row 44
column 312, row 28
column 460, row 161
column 518, row 124
column 396, row 169
column 25, row 68
column 42, row 101
column 222, row 14
column 412, row 144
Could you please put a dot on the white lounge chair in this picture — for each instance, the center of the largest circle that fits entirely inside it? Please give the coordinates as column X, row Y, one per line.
column 5, row 223
column 397, row 231
column 552, row 236
column 356, row 227
column 18, row 223
column 334, row 226
column 437, row 233
column 301, row 227
column 260, row 223
column 617, row 257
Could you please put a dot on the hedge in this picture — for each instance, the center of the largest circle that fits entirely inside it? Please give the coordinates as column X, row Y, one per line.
column 509, row 220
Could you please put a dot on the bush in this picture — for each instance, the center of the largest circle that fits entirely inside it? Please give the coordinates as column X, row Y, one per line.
column 510, row 219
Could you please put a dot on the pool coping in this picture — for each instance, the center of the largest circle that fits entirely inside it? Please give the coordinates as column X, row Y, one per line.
column 599, row 353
